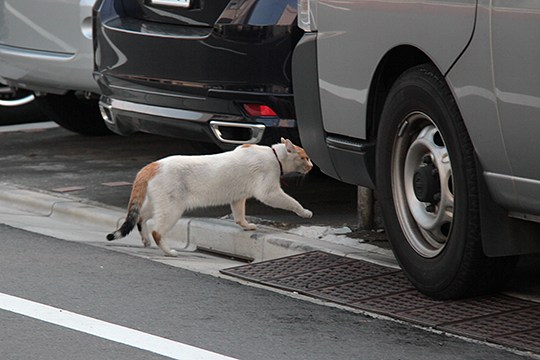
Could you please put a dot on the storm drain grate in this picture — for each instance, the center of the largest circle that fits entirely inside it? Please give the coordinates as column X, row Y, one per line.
column 499, row 319
column 362, row 289
column 322, row 278
column 499, row 325
column 291, row 265
column 392, row 304
column 458, row 311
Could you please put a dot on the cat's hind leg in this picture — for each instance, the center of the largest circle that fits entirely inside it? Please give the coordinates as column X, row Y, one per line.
column 239, row 214
column 164, row 220
column 162, row 243
column 145, row 214
column 143, row 230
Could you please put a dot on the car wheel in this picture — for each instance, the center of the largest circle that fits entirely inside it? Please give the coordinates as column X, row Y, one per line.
column 75, row 113
column 428, row 190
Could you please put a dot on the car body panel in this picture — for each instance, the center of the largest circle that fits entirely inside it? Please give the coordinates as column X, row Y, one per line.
column 497, row 87
column 354, row 30
column 179, row 62
column 36, row 50
column 474, row 91
column 516, row 59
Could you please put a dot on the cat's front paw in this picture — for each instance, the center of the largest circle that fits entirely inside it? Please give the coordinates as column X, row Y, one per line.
column 247, row 226
column 250, row 227
column 305, row 213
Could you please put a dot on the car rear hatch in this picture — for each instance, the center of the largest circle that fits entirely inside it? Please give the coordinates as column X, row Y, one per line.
column 176, row 12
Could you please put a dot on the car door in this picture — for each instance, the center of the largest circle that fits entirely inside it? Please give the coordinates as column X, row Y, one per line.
column 516, row 55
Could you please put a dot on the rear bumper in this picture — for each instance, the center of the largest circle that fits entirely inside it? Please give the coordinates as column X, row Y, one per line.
column 226, row 131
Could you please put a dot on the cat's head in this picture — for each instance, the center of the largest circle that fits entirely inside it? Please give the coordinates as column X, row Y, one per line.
column 296, row 159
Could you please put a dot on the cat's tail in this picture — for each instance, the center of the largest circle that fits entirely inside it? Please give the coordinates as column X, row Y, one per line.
column 138, row 195
column 129, row 223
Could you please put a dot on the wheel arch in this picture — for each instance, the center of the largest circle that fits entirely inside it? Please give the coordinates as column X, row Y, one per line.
column 392, row 65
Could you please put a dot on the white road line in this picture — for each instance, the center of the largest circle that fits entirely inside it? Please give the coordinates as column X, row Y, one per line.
column 105, row 330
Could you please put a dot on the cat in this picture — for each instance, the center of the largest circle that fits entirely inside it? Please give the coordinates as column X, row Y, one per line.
column 164, row 189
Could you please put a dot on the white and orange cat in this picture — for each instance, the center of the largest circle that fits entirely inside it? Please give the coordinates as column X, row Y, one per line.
column 164, row 189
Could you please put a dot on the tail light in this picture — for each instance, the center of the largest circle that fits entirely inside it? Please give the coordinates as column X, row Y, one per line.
column 259, row 110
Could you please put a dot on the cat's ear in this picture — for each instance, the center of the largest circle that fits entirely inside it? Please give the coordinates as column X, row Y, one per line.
column 288, row 144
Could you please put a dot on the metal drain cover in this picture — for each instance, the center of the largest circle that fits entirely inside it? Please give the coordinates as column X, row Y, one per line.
column 499, row 319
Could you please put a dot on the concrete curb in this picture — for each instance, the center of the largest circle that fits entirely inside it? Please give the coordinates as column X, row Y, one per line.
column 216, row 235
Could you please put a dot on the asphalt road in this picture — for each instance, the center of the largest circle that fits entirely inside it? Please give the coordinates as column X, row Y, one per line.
column 213, row 314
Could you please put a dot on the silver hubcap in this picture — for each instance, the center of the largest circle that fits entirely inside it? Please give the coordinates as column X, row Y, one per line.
column 422, row 185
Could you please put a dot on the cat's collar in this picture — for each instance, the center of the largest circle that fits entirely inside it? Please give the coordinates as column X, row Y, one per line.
column 279, row 162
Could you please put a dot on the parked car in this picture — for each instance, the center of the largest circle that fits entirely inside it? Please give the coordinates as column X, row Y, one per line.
column 46, row 48
column 216, row 71
column 436, row 105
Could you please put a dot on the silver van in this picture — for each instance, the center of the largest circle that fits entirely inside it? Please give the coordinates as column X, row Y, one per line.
column 436, row 105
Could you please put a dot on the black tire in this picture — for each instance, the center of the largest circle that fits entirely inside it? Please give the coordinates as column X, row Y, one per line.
column 433, row 222
column 74, row 113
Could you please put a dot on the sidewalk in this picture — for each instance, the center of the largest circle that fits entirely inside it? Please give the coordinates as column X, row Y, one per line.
column 50, row 213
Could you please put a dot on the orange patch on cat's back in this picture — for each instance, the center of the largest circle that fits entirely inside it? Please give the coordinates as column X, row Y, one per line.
column 246, row 145
column 147, row 173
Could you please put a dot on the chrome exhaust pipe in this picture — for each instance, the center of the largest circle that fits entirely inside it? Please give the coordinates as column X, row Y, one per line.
column 106, row 112
column 14, row 102
column 237, row 133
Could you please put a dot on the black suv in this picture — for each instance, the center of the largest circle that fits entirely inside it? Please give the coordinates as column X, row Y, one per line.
column 216, row 71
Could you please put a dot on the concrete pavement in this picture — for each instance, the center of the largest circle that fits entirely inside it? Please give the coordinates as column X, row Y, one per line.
column 50, row 213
